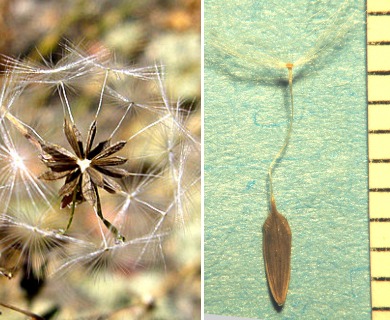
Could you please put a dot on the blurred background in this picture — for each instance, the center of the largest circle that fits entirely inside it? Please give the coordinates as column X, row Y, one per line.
column 139, row 33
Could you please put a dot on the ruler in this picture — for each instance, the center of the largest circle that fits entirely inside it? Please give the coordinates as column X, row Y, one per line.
column 378, row 79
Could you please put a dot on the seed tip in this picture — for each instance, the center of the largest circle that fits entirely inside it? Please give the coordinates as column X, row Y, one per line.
column 280, row 302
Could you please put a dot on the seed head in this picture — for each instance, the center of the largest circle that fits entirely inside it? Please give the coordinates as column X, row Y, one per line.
column 86, row 169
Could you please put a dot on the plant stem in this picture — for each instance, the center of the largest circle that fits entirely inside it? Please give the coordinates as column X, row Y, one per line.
column 288, row 135
column 33, row 316
column 107, row 223
column 73, row 207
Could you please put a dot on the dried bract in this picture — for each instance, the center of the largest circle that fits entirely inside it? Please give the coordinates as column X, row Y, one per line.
column 86, row 168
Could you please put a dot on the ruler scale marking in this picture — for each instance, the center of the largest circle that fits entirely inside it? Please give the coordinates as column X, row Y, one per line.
column 378, row 82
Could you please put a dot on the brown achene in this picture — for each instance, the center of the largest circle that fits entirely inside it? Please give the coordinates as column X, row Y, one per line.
column 277, row 253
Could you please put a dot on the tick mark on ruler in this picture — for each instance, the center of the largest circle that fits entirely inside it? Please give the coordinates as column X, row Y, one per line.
column 378, row 43
column 380, row 278
column 379, row 102
column 384, row 249
column 380, row 220
column 379, row 189
column 379, row 131
column 379, row 13
column 379, row 161
column 381, row 309
column 378, row 73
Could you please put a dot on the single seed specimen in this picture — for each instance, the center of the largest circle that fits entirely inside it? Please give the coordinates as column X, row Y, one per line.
column 277, row 253
column 276, row 231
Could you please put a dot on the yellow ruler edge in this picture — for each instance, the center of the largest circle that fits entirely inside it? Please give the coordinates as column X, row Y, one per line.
column 378, row 82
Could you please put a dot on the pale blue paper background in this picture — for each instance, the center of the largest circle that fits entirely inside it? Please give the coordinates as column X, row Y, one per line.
column 320, row 184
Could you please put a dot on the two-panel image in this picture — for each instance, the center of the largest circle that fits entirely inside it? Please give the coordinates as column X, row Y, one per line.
column 188, row 159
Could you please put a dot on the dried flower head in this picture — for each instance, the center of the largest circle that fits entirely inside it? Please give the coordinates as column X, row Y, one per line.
column 85, row 170
column 150, row 186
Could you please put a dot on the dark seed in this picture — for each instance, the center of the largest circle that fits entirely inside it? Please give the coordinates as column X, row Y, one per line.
column 277, row 253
